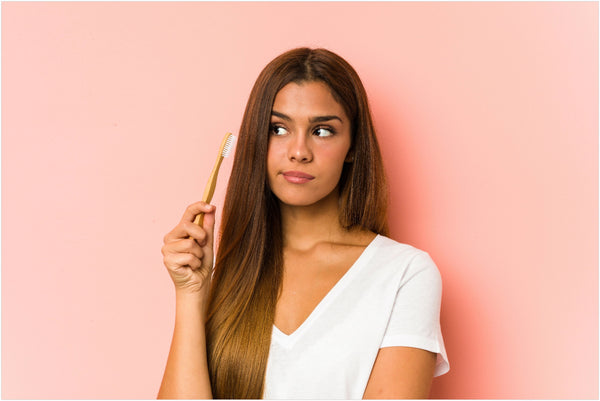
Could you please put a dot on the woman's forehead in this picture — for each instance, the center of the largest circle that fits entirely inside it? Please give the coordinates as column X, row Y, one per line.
column 307, row 98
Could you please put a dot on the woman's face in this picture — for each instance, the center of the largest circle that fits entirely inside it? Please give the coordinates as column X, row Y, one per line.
column 309, row 141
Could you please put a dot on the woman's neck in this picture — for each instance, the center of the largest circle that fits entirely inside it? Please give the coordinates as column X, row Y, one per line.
column 305, row 226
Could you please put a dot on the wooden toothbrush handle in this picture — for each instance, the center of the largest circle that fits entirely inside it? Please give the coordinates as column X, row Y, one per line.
column 209, row 190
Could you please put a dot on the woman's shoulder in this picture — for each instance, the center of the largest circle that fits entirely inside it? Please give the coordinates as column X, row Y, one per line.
column 386, row 244
column 402, row 257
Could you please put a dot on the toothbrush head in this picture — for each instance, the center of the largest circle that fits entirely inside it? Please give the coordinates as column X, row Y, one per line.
column 227, row 145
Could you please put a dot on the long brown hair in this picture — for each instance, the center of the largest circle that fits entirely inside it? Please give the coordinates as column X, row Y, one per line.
column 249, row 263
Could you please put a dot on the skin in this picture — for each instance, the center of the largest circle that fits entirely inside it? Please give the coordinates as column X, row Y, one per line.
column 317, row 250
column 310, row 133
column 189, row 263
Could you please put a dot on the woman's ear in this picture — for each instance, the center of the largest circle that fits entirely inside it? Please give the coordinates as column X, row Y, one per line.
column 349, row 157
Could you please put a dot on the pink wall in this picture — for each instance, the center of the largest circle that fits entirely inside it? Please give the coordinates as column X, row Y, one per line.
column 488, row 118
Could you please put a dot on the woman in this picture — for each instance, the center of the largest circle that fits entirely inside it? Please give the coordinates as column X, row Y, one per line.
column 308, row 298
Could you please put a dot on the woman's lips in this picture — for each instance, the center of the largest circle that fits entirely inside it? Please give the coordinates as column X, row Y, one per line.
column 297, row 177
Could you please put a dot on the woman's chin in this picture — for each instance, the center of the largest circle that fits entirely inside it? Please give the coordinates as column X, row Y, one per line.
column 308, row 199
column 298, row 202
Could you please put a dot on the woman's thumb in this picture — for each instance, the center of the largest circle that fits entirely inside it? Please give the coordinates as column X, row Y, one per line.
column 209, row 226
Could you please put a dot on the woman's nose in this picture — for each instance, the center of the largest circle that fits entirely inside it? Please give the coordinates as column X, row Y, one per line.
column 299, row 149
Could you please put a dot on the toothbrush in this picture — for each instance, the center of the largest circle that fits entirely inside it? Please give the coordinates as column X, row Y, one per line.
column 224, row 151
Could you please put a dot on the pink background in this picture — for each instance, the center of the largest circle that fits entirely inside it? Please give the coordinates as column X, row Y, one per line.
column 487, row 114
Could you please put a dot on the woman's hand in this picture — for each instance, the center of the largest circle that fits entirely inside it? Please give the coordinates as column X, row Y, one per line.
column 189, row 262
column 188, row 250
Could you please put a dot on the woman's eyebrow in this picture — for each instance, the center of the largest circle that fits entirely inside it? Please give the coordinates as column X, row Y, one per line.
column 320, row 119
column 317, row 119
column 280, row 115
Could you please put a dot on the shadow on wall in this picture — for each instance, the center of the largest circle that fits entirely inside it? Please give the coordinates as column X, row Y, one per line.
column 453, row 306
column 467, row 327
column 465, row 324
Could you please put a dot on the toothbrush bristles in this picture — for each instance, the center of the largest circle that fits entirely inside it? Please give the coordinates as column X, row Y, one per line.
column 228, row 146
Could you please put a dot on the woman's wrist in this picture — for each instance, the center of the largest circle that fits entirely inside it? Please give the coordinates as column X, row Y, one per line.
column 190, row 297
column 191, row 301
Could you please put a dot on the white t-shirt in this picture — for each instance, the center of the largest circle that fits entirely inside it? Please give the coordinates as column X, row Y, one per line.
column 390, row 296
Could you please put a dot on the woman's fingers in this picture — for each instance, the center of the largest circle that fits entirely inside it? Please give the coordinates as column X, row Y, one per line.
column 208, row 226
column 188, row 245
column 186, row 228
column 196, row 208
column 188, row 248
column 178, row 260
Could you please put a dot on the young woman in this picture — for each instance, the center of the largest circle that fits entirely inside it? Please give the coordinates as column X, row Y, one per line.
column 307, row 297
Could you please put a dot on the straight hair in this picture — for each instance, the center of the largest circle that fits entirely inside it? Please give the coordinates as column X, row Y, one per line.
column 248, row 270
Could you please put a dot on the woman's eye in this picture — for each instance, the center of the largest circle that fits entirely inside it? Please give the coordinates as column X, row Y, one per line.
column 322, row 132
column 278, row 130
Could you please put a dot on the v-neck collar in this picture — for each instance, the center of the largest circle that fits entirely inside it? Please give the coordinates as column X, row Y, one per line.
column 288, row 340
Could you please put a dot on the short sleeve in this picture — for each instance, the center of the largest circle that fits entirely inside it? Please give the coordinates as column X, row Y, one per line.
column 415, row 318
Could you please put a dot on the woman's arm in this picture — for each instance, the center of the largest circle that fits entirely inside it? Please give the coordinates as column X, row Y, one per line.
column 401, row 372
column 188, row 256
column 186, row 374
